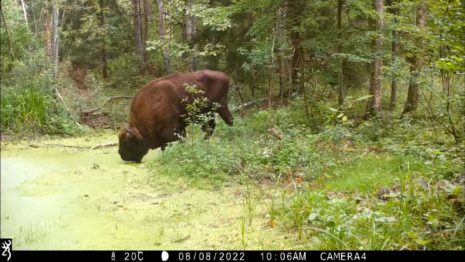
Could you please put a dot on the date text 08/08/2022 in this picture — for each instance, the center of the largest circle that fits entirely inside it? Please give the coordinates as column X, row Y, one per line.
column 241, row 256
column 269, row 256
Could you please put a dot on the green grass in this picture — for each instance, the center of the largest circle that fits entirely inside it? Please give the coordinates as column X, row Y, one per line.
column 381, row 201
column 386, row 184
column 32, row 109
column 373, row 172
column 413, row 212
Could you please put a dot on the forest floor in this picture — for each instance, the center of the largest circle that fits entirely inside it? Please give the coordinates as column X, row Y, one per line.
column 57, row 197
column 261, row 184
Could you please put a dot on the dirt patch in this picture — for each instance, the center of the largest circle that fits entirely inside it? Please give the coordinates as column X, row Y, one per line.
column 95, row 120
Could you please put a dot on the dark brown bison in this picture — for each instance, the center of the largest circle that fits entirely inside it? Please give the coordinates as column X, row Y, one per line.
column 158, row 112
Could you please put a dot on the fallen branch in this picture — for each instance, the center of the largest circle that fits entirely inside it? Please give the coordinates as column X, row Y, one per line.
column 79, row 147
column 57, row 145
column 104, row 145
column 66, row 107
column 91, row 111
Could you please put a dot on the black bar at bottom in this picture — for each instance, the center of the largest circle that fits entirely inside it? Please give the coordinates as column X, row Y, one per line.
column 234, row 255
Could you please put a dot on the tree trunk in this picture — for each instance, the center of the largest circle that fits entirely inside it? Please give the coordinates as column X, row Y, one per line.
column 340, row 78
column 280, row 68
column 162, row 32
column 374, row 102
column 295, row 10
column 48, row 33
column 145, row 32
column 56, row 39
column 416, row 64
column 10, row 41
column 394, row 55
column 23, row 5
column 137, row 30
column 413, row 85
column 194, row 31
column 190, row 29
column 297, row 61
column 34, row 19
column 103, row 45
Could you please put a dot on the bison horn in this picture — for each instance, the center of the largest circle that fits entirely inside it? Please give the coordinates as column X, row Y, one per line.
column 129, row 131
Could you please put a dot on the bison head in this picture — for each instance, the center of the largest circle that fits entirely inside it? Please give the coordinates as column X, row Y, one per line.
column 131, row 145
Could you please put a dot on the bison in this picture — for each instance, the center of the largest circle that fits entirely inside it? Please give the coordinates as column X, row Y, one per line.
column 158, row 111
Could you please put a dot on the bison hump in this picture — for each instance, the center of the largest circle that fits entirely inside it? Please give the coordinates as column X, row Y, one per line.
column 156, row 102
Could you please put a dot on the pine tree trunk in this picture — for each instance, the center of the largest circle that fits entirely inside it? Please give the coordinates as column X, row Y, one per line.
column 394, row 56
column 34, row 19
column 416, row 65
column 294, row 13
column 103, row 45
column 145, row 32
column 137, row 30
column 48, row 33
column 374, row 103
column 340, row 73
column 412, row 96
column 190, row 30
column 23, row 5
column 10, row 41
column 162, row 32
column 56, row 39
column 280, row 28
column 194, row 30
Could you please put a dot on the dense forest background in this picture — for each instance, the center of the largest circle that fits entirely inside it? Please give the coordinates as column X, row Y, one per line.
column 342, row 77
column 385, row 56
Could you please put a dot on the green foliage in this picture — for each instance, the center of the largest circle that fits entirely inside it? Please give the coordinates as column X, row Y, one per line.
column 82, row 35
column 26, row 107
column 198, row 107
column 226, row 153
column 409, row 218
column 121, row 67
column 33, row 109
column 385, row 184
column 215, row 18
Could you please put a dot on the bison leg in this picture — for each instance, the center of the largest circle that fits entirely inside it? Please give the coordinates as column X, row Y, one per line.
column 181, row 134
column 224, row 113
column 167, row 135
column 209, row 127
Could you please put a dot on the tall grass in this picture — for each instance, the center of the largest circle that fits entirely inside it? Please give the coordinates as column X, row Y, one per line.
column 31, row 108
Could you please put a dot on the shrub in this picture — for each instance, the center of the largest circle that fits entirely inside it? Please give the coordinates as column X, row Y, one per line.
column 32, row 108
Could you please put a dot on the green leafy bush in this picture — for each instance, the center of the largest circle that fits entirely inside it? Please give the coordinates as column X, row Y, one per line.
column 412, row 217
column 33, row 108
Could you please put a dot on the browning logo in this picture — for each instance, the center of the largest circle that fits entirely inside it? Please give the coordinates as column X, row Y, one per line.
column 6, row 246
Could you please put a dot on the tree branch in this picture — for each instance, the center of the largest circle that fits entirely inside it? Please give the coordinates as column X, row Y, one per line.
column 91, row 111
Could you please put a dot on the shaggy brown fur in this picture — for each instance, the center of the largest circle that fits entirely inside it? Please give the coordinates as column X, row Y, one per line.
column 157, row 111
